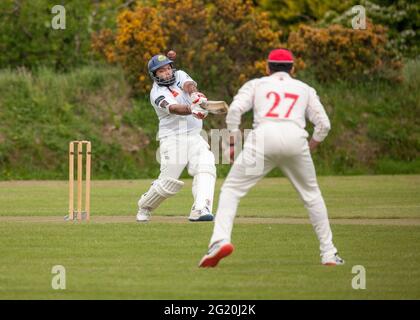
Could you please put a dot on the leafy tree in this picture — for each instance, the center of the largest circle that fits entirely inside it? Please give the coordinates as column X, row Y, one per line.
column 401, row 18
column 289, row 14
column 28, row 39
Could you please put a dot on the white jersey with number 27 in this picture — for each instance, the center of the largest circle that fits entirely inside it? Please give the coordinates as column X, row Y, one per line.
column 279, row 97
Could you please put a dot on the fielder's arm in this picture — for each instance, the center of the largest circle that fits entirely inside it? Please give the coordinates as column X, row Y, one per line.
column 315, row 112
column 313, row 144
column 242, row 102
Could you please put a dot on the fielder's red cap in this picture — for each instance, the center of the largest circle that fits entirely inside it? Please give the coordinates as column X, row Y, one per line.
column 280, row 56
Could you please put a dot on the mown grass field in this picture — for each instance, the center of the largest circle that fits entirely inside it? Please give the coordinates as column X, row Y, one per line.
column 159, row 260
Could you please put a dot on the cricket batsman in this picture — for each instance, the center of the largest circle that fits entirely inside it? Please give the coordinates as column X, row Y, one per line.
column 281, row 106
column 177, row 103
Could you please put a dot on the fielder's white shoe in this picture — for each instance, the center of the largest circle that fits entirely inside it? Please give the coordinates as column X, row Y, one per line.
column 201, row 215
column 332, row 260
column 217, row 251
column 143, row 215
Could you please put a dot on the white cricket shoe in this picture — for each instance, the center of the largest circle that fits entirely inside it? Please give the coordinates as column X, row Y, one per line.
column 332, row 260
column 143, row 215
column 201, row 215
column 217, row 251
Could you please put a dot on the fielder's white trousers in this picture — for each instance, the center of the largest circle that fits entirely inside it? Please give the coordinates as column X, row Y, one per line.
column 282, row 145
column 191, row 150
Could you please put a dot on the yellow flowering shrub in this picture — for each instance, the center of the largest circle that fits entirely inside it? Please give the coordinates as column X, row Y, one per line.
column 221, row 44
column 139, row 36
column 236, row 46
column 103, row 43
column 338, row 52
column 184, row 23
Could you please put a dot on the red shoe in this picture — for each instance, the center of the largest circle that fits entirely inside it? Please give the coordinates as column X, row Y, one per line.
column 217, row 251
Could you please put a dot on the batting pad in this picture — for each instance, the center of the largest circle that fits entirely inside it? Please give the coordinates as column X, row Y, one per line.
column 160, row 190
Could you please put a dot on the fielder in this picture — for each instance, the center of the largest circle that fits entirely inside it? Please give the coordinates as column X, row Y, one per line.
column 175, row 98
column 280, row 105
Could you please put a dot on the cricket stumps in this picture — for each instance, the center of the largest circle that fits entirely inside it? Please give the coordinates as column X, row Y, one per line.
column 80, row 147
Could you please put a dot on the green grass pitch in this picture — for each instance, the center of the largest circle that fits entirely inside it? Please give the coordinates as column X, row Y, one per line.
column 158, row 260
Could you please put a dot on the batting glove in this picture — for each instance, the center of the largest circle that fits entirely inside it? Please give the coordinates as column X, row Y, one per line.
column 198, row 98
column 198, row 112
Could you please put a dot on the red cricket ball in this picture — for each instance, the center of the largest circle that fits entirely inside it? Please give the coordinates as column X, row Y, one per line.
column 171, row 55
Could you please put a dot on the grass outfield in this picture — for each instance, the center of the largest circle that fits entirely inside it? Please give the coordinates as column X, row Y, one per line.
column 159, row 260
column 346, row 197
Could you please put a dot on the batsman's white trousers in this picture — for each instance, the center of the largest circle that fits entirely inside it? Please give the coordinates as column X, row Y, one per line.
column 178, row 151
column 274, row 144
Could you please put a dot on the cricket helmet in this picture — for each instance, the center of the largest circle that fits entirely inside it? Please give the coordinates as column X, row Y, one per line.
column 157, row 62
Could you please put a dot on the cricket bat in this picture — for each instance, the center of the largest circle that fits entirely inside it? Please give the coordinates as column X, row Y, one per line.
column 216, row 107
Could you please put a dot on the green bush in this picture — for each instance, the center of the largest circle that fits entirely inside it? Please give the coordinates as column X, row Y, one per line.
column 375, row 126
column 27, row 38
column 290, row 13
column 373, row 123
column 41, row 112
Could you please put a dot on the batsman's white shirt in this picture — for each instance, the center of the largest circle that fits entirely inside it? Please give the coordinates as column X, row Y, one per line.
column 161, row 97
